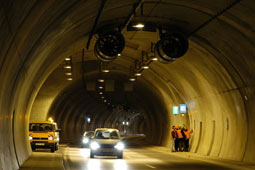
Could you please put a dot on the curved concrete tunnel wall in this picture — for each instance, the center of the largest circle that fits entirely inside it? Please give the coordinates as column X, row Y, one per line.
column 215, row 78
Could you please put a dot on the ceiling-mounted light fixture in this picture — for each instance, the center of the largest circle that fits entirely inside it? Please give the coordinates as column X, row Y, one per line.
column 70, row 79
column 119, row 55
column 68, row 74
column 101, row 93
column 100, row 87
column 68, row 67
column 145, row 67
column 138, row 74
column 101, row 80
column 67, row 59
column 154, row 59
column 132, row 79
column 105, row 70
column 105, row 100
column 138, row 25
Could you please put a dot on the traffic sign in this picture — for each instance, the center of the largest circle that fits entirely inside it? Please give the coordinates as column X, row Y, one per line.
column 183, row 108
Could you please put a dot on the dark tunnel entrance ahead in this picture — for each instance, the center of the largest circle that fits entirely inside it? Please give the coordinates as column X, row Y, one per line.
column 130, row 107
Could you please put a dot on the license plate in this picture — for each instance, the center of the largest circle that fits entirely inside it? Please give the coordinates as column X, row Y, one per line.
column 107, row 150
column 39, row 144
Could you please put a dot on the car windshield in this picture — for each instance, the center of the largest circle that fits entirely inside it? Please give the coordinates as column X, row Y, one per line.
column 40, row 127
column 104, row 134
column 89, row 134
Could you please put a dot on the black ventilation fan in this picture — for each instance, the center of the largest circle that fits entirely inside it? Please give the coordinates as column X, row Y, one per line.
column 109, row 45
column 171, row 46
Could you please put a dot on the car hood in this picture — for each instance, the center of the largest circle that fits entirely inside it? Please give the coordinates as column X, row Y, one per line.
column 107, row 141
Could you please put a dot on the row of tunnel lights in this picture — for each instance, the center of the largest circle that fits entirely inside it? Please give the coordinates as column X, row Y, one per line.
column 139, row 72
column 68, row 72
column 68, row 67
column 104, row 69
column 100, row 92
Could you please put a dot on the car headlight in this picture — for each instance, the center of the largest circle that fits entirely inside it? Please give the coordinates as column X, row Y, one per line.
column 30, row 137
column 50, row 137
column 94, row 145
column 119, row 146
column 85, row 140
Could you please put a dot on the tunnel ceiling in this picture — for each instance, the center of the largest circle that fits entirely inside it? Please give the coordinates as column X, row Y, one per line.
column 183, row 15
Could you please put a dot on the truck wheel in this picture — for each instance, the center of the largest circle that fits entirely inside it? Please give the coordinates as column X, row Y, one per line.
column 33, row 148
column 56, row 146
column 120, row 156
column 91, row 155
column 52, row 149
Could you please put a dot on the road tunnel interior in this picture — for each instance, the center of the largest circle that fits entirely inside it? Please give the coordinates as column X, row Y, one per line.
column 215, row 77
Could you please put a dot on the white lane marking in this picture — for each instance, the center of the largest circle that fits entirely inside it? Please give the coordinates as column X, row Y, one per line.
column 153, row 167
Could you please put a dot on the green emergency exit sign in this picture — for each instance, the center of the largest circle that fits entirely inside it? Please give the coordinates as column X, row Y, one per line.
column 175, row 110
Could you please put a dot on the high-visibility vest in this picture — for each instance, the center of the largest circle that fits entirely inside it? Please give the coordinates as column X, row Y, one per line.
column 175, row 134
column 179, row 134
column 187, row 133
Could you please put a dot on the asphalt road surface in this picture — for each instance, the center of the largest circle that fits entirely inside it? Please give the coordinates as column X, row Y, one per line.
column 76, row 158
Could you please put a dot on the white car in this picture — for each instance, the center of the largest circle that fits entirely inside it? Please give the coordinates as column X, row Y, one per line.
column 106, row 142
column 86, row 138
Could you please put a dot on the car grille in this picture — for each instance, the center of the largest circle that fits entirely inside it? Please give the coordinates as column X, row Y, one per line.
column 107, row 146
column 40, row 138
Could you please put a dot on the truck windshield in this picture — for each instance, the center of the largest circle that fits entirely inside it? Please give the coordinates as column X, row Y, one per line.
column 40, row 127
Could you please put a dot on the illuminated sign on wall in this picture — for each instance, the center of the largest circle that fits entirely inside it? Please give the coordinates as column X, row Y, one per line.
column 183, row 108
column 175, row 110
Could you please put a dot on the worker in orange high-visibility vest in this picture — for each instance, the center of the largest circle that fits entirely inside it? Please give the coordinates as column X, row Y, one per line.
column 173, row 137
column 181, row 139
column 187, row 133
